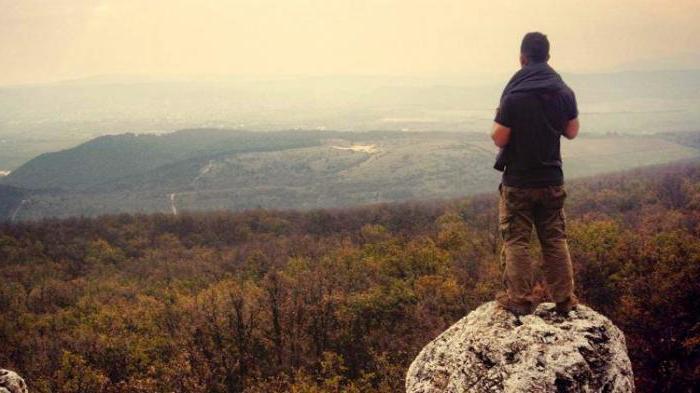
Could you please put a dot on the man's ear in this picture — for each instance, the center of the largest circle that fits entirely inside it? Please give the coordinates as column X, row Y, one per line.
column 523, row 60
column 547, row 59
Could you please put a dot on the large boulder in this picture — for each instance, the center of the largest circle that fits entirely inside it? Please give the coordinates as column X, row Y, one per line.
column 10, row 382
column 491, row 350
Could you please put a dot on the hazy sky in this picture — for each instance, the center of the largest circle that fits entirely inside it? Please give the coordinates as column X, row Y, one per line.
column 46, row 40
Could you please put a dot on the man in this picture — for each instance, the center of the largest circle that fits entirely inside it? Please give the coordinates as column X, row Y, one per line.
column 536, row 109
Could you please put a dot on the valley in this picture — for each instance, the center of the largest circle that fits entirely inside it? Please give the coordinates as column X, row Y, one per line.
column 196, row 170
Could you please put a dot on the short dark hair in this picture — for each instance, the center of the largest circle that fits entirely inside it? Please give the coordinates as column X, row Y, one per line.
column 535, row 47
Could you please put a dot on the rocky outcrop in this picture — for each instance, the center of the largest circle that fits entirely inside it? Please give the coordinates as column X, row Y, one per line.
column 10, row 382
column 491, row 350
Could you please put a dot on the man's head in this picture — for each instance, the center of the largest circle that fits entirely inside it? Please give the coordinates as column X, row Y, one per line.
column 534, row 48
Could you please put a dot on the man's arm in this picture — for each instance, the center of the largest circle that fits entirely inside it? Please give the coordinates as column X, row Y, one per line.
column 500, row 134
column 571, row 130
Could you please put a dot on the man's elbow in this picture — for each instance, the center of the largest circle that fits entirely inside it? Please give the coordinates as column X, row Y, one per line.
column 571, row 134
column 500, row 142
column 572, row 128
column 500, row 135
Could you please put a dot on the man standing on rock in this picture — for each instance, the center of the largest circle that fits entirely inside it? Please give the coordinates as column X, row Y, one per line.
column 536, row 109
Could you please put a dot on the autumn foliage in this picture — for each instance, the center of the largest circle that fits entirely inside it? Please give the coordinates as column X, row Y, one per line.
column 329, row 300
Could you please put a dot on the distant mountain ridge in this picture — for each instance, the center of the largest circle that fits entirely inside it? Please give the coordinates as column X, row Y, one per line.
column 112, row 157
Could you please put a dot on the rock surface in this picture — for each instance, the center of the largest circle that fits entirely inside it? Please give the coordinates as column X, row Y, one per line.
column 491, row 350
column 10, row 382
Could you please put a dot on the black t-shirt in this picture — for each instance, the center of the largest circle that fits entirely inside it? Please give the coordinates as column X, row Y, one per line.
column 537, row 121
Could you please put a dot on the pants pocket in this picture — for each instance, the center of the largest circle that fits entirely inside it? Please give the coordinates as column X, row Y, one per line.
column 555, row 197
column 504, row 217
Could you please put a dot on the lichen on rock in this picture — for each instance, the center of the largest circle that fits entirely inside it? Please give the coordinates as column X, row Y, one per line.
column 491, row 350
column 10, row 382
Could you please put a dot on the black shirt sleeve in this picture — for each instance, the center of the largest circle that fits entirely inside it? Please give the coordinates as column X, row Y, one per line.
column 504, row 113
column 570, row 107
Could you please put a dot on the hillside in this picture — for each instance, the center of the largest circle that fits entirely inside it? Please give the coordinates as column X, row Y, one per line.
column 10, row 199
column 330, row 300
column 109, row 158
column 236, row 170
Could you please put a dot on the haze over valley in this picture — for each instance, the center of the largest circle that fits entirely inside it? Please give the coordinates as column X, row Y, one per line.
column 92, row 146
column 50, row 117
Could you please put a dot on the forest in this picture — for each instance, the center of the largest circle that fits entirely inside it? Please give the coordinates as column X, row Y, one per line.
column 333, row 300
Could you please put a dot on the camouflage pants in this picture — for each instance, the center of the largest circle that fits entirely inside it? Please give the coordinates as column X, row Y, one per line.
column 521, row 209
